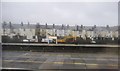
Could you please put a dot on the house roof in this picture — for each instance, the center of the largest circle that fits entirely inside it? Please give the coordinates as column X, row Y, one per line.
column 33, row 26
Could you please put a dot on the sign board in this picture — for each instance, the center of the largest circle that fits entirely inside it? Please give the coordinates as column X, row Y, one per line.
column 52, row 37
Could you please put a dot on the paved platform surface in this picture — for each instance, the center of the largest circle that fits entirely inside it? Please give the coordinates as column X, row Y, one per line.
column 59, row 60
column 61, row 45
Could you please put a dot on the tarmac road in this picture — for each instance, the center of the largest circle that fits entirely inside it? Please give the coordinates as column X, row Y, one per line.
column 59, row 60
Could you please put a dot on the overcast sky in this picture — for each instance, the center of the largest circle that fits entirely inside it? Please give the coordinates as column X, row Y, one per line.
column 72, row 13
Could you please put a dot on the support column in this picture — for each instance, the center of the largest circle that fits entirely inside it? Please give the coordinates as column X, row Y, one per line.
column 56, row 41
column 0, row 38
column 48, row 40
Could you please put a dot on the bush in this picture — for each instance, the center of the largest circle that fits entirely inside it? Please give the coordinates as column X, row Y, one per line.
column 6, row 39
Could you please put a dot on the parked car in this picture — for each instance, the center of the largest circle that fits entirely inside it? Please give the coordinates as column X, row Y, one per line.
column 26, row 40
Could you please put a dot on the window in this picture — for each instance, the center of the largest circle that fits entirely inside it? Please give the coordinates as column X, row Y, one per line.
column 31, row 30
column 24, row 29
column 33, row 37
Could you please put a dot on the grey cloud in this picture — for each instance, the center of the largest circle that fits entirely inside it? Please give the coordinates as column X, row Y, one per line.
column 86, row 13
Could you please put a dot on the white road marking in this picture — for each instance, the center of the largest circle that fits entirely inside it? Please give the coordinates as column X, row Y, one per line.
column 76, row 63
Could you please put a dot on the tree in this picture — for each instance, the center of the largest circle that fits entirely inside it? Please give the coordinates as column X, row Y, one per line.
column 17, row 38
column 37, row 28
column 37, row 32
column 5, row 39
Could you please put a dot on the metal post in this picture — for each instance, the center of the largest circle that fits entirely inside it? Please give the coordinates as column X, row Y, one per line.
column 47, row 37
column 48, row 40
column 56, row 41
column 0, row 32
column 0, row 38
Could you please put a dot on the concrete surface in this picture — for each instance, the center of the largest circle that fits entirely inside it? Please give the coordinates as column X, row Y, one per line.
column 59, row 60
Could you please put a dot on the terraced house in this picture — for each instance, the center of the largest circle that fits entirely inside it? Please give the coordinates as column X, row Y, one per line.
column 36, row 32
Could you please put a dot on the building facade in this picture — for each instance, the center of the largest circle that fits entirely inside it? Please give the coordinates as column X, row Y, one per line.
column 31, row 31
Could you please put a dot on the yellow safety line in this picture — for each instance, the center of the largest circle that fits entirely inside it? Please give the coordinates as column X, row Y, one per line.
column 76, row 63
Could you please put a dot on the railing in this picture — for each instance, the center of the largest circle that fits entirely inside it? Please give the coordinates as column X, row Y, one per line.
column 62, row 45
